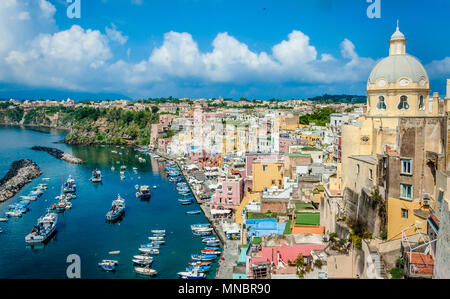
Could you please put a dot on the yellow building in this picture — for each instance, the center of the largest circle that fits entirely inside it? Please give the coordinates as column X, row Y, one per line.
column 396, row 147
column 267, row 174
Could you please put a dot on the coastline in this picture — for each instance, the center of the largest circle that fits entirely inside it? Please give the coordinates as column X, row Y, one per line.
column 21, row 173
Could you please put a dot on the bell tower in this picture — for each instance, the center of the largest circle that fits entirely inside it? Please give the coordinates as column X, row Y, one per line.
column 397, row 44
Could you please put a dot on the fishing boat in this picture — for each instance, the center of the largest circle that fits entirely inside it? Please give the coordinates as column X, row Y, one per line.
column 144, row 192
column 201, row 234
column 145, row 271
column 45, row 227
column 28, row 197
column 159, row 234
column 194, row 274
column 108, row 266
column 187, row 203
column 96, row 176
column 202, row 229
column 201, row 225
column 213, row 244
column 111, row 262
column 200, row 269
column 193, row 212
column 69, row 185
column 156, row 238
column 158, row 231
column 211, row 251
column 13, row 214
column 117, row 209
column 149, row 250
column 3, row 219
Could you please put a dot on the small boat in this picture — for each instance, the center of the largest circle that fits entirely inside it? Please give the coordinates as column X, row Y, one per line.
column 200, row 225
column 112, row 262
column 194, row 274
column 195, row 264
column 159, row 242
column 123, row 167
column 187, row 203
column 136, row 187
column 158, row 231
column 149, row 250
column 202, row 229
column 107, row 267
column 150, row 245
column 96, row 176
column 154, row 187
column 204, row 257
column 159, row 234
column 142, row 262
column 114, row 252
column 13, row 214
column 213, row 244
column 201, row 234
column 201, row 269
column 122, row 177
column 3, row 219
column 69, row 185
column 144, row 192
column 143, row 257
column 156, row 238
column 196, row 212
column 211, row 251
column 46, row 179
column 145, row 271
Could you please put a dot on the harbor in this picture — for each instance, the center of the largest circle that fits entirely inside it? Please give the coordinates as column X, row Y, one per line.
column 83, row 229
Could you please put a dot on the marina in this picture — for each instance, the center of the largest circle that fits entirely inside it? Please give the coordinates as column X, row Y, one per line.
column 83, row 230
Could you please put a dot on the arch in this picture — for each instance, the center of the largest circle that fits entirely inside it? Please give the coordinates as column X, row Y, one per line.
column 403, row 103
column 381, row 105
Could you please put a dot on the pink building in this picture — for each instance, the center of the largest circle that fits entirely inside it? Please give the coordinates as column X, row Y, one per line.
column 163, row 143
column 284, row 253
column 285, row 143
column 228, row 194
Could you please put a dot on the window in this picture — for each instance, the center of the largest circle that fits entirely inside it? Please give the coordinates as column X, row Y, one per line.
column 405, row 191
column 440, row 198
column 370, row 174
column 406, row 166
column 230, row 201
column 385, row 162
column 405, row 213
column 357, row 168
column 421, row 103
column 381, row 104
column 403, row 105
column 264, row 167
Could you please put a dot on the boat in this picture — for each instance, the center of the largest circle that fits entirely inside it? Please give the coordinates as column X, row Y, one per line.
column 154, row 187
column 108, row 266
column 150, row 245
column 69, row 185
column 96, row 176
column 142, row 262
column 211, row 251
column 202, row 229
column 143, row 257
column 159, row 234
column 117, row 209
column 123, row 167
column 144, row 192
column 149, row 250
column 156, row 238
column 201, row 269
column 145, row 271
column 3, row 219
column 212, row 238
column 114, row 252
column 193, row 212
column 159, row 242
column 213, row 244
column 204, row 257
column 45, row 227
column 198, row 263
column 194, row 274
column 46, row 179
column 200, row 225
column 136, row 187
column 13, row 214
column 122, row 177
column 113, row 168
column 112, row 262
column 158, row 231
column 187, row 203
column 201, row 234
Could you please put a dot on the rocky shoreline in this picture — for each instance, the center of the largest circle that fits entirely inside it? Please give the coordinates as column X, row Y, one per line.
column 59, row 154
column 21, row 173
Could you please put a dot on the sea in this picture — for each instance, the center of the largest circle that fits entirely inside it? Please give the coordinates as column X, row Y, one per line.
column 83, row 230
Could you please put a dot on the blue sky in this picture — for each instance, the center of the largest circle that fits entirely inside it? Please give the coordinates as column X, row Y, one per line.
column 210, row 48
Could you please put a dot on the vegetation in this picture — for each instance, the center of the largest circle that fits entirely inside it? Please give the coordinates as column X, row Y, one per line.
column 320, row 116
column 288, row 228
column 398, row 271
column 343, row 98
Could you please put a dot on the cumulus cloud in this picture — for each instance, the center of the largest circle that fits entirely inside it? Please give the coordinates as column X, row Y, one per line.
column 115, row 35
column 439, row 68
column 37, row 54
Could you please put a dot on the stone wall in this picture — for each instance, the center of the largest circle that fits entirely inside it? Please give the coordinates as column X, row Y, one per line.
column 442, row 258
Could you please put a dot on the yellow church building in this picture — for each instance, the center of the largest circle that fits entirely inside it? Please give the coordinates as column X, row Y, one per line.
column 396, row 147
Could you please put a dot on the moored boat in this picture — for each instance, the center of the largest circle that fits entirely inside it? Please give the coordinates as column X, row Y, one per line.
column 144, row 192
column 149, row 250
column 145, row 271
column 45, row 227
column 194, row 274
column 96, row 176
column 117, row 209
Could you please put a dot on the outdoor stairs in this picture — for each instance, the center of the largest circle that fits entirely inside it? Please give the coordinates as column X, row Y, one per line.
column 379, row 266
column 238, row 213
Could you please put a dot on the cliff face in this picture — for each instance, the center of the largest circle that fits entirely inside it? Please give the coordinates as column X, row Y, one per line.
column 87, row 125
column 21, row 173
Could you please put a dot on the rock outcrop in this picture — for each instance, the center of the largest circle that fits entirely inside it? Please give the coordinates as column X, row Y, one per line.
column 59, row 154
column 21, row 173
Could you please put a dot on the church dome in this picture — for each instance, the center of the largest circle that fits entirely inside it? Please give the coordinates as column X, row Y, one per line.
column 394, row 67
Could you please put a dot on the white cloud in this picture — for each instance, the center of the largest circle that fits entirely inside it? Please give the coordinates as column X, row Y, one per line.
column 48, row 10
column 439, row 68
column 115, row 35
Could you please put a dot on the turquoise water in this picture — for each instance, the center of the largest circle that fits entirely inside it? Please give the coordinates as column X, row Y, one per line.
column 83, row 229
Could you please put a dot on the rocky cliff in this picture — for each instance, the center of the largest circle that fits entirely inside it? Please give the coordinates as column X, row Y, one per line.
column 21, row 173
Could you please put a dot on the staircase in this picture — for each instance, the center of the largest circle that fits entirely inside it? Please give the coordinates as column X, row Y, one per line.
column 249, row 197
column 380, row 271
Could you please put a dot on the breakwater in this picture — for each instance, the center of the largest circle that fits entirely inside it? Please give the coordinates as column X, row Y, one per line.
column 21, row 173
column 59, row 154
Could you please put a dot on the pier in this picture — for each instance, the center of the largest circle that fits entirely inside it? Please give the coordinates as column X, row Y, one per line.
column 21, row 173
column 59, row 154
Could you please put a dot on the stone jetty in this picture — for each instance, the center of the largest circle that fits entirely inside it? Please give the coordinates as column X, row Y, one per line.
column 59, row 154
column 21, row 173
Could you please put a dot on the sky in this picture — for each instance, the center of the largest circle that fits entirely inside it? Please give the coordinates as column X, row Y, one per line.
column 209, row 48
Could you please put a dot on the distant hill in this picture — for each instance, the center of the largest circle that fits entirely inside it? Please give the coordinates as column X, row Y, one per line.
column 339, row 98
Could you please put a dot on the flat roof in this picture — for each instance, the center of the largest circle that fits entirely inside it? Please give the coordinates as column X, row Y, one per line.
column 307, row 218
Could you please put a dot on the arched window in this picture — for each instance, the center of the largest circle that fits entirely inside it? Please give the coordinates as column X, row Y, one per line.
column 403, row 103
column 421, row 103
column 381, row 104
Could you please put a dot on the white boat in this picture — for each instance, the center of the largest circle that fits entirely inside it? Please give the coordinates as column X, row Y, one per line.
column 158, row 231
column 109, row 262
column 194, row 274
column 142, row 257
column 156, row 238
column 43, row 230
column 13, row 214
column 3, row 219
column 145, row 271
column 202, row 229
column 149, row 250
